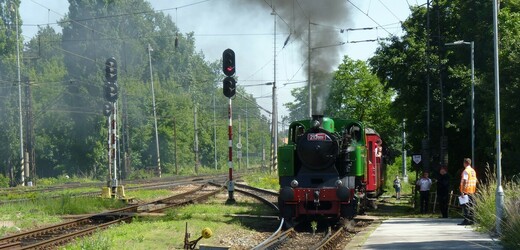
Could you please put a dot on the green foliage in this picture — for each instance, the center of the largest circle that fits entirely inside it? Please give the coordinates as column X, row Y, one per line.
column 70, row 132
column 61, row 179
column 406, row 64
column 67, row 204
column 149, row 194
column 395, row 169
column 357, row 93
column 4, row 181
column 485, row 209
column 299, row 109
column 511, row 225
column 485, row 206
column 264, row 180
column 97, row 242
column 24, row 215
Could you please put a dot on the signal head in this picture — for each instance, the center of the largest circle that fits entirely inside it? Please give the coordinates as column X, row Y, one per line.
column 230, row 85
column 111, row 70
column 228, row 62
column 111, row 91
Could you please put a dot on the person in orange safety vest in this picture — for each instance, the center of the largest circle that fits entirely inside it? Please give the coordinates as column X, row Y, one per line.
column 468, row 186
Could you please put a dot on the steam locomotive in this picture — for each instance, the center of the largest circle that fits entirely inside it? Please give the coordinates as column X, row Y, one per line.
column 330, row 167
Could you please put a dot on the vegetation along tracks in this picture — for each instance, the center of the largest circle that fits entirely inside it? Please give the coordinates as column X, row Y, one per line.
column 134, row 185
column 56, row 235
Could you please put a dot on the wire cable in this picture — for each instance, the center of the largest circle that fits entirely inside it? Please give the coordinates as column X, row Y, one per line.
column 373, row 20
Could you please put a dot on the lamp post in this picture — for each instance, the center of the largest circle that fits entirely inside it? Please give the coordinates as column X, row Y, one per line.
column 472, row 44
column 499, row 200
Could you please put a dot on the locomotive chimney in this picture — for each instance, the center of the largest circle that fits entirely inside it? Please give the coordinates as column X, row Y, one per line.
column 317, row 121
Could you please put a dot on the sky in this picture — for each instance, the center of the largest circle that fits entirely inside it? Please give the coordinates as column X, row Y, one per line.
column 247, row 27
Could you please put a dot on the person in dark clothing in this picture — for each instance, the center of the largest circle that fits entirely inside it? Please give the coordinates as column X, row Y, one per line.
column 397, row 187
column 443, row 188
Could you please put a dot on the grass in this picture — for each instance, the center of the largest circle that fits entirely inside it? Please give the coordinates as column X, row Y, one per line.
column 40, row 212
column 263, row 180
column 148, row 195
column 485, row 209
column 168, row 232
column 35, row 193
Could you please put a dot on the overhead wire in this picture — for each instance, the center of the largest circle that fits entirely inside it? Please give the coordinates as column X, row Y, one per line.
column 390, row 11
column 373, row 20
column 114, row 15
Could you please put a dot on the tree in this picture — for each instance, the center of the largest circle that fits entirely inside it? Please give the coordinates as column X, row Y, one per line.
column 358, row 94
column 9, row 109
column 299, row 109
column 406, row 63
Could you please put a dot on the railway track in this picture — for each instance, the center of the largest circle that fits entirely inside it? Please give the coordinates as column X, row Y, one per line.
column 268, row 197
column 136, row 185
column 53, row 236
column 295, row 239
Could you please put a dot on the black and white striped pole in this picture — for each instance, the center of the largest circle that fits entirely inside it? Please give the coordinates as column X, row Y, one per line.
column 110, row 110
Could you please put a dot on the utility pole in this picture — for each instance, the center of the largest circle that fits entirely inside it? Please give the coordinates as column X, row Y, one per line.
column 30, row 166
column 247, row 139
column 113, row 147
column 275, row 107
column 214, row 133
column 444, row 138
column 309, row 75
column 239, row 144
column 426, row 142
column 175, row 145
column 154, row 114
column 126, row 138
column 196, row 138
column 22, row 154
column 405, row 176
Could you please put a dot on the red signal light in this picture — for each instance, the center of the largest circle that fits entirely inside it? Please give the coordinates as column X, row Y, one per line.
column 228, row 62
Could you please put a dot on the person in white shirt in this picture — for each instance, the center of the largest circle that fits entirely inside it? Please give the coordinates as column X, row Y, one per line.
column 424, row 184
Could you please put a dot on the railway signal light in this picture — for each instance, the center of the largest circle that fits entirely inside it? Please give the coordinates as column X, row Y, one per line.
column 230, row 85
column 111, row 91
column 111, row 70
column 107, row 108
column 228, row 62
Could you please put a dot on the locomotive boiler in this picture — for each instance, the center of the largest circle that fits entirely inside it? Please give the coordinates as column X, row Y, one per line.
column 330, row 167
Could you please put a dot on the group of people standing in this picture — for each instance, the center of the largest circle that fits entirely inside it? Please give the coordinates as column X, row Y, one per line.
column 468, row 184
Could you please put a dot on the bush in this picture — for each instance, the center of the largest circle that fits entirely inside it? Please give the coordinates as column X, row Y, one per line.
column 511, row 224
column 4, row 181
column 485, row 209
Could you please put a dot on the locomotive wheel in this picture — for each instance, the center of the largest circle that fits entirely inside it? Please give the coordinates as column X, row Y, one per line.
column 287, row 213
column 347, row 211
